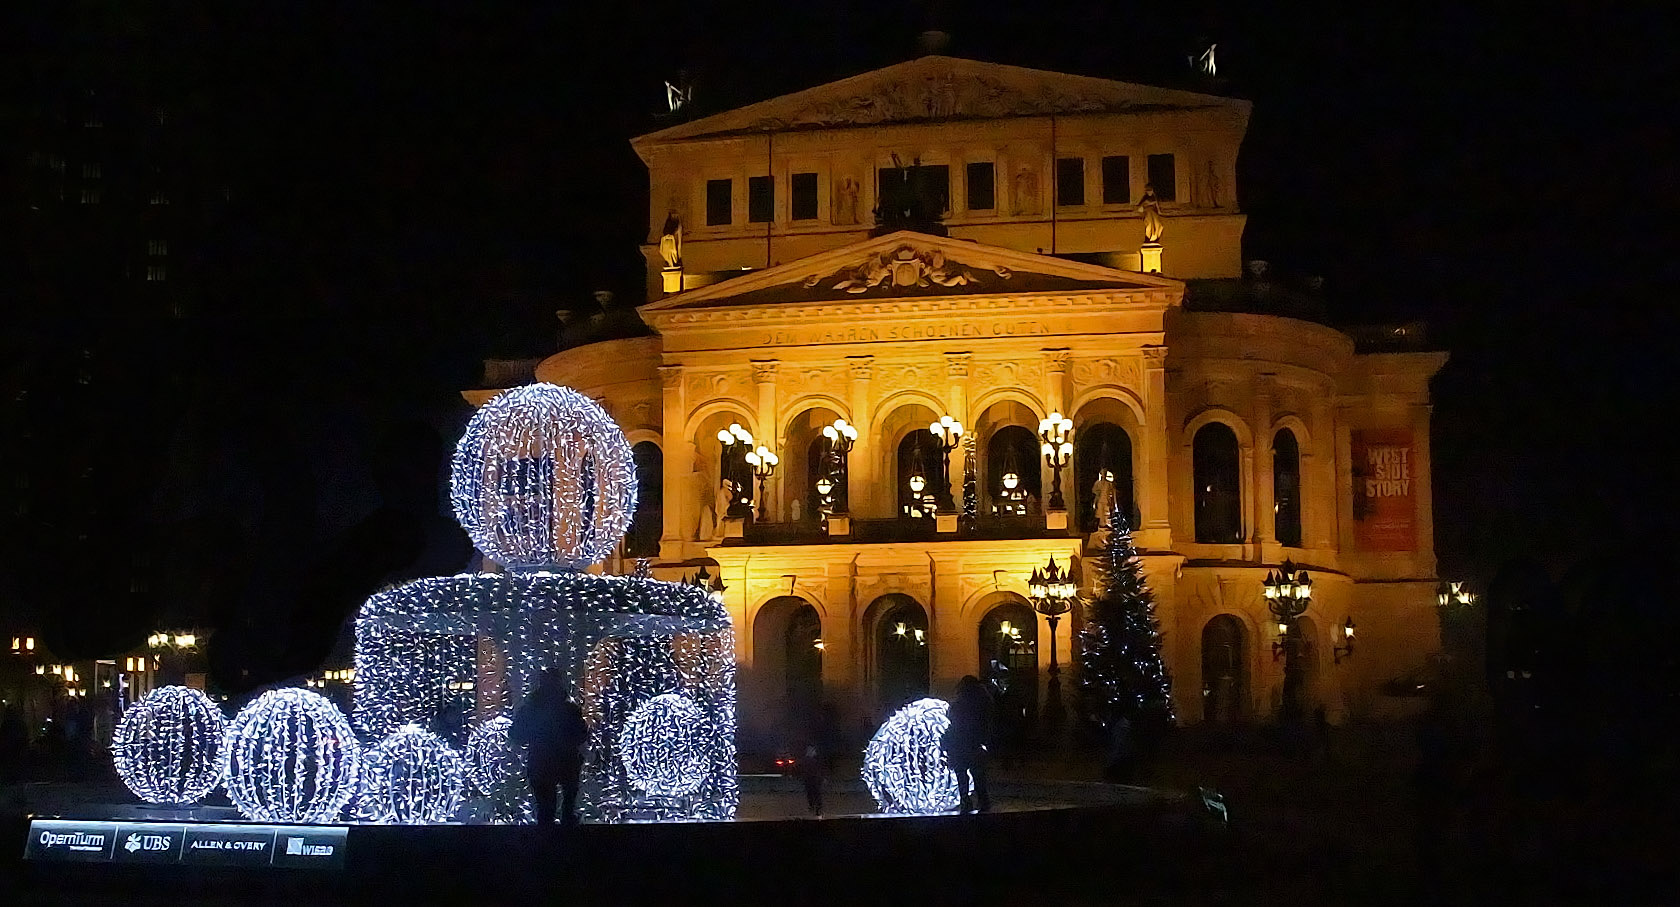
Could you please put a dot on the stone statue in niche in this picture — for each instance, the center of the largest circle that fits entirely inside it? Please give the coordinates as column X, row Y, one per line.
column 1212, row 185
column 846, row 201
column 1026, row 191
column 670, row 242
column 1102, row 499
column 1150, row 207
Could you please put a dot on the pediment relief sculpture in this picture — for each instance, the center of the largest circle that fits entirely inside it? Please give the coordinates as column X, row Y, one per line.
column 942, row 96
column 903, row 268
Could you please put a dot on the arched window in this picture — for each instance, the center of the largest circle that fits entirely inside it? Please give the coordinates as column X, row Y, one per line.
column 1217, row 469
column 1013, row 451
column 918, row 456
column 820, row 464
column 1224, row 670
column 901, row 650
column 648, row 523
column 1009, row 661
column 1286, row 488
column 1099, row 447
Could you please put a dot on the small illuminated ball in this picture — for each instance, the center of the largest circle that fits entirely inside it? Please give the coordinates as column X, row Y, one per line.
column 665, row 747
column 167, row 748
column 289, row 756
column 543, row 477
column 413, row 777
column 904, row 764
column 495, row 770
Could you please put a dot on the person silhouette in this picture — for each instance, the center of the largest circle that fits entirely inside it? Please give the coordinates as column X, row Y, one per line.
column 967, row 743
column 551, row 728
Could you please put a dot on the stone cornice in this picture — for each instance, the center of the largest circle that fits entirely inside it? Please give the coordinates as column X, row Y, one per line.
column 922, row 306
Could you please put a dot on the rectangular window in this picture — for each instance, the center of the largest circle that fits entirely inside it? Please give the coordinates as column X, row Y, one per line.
column 160, row 197
column 1117, row 180
column 720, row 203
column 901, row 186
column 804, row 196
column 982, row 186
column 761, row 199
column 90, row 171
column 1162, row 177
column 157, row 247
column 90, row 196
column 157, row 273
column 1070, row 181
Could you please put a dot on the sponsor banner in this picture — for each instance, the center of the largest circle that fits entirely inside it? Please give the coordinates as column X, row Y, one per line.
column 190, row 844
column 1384, row 490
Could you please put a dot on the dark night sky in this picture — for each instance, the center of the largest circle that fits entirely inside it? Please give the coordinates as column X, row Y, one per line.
column 423, row 184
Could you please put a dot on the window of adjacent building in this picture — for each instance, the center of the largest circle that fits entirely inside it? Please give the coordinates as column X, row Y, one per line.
column 1216, row 469
column 90, row 171
column 1286, row 488
column 160, row 197
column 1070, row 181
column 935, row 183
column 720, row 203
column 1117, row 180
column 90, row 196
column 1163, row 177
column 157, row 247
column 982, row 186
column 761, row 199
column 804, row 198
column 157, row 273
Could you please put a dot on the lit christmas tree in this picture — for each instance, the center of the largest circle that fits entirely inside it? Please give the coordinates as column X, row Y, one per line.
column 1121, row 671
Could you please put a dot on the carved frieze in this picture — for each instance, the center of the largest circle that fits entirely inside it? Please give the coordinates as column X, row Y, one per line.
column 956, row 364
column 764, row 370
column 901, row 269
column 1008, row 374
column 863, row 367
column 706, row 386
column 1124, row 371
column 813, row 379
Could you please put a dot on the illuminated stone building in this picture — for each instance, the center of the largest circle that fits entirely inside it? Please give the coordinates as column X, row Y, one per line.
column 1237, row 437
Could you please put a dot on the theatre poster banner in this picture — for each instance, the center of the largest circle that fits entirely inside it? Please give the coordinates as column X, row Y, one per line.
column 1384, row 490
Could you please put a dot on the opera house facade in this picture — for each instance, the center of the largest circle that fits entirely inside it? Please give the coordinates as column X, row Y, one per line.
column 872, row 307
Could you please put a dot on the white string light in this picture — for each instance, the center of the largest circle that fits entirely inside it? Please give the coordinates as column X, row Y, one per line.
column 904, row 764
column 543, row 478
column 664, row 746
column 166, row 749
column 495, row 770
column 290, row 756
column 412, row 777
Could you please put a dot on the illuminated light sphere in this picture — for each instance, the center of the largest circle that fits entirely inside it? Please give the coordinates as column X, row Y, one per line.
column 495, row 770
column 167, row 748
column 904, row 764
column 543, row 477
column 290, row 756
column 665, row 746
column 413, row 777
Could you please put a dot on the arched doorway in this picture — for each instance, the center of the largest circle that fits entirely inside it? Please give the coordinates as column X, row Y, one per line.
column 648, row 523
column 1224, row 670
column 1008, row 643
column 918, row 458
column 899, row 637
column 787, row 666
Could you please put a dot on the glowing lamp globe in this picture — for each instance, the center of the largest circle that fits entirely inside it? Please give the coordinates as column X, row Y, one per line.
column 495, row 770
column 167, row 747
column 412, row 777
column 665, row 746
column 290, row 756
column 904, row 764
column 543, row 477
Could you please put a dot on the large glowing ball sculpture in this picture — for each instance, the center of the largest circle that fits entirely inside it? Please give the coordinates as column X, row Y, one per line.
column 495, row 770
column 666, row 746
column 904, row 764
column 290, row 756
column 543, row 478
column 413, row 777
column 167, row 748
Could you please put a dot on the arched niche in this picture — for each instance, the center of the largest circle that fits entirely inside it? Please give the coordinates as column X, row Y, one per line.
column 1216, row 470
column 1105, row 429
column 1006, row 436
column 804, row 452
column 648, row 523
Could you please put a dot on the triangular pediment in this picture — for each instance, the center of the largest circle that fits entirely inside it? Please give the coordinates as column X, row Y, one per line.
column 905, row 266
column 939, row 89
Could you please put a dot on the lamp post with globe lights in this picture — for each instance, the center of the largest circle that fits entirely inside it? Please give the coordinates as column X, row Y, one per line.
column 737, row 444
column 841, row 436
column 1053, row 592
column 763, row 462
column 1288, row 593
column 947, row 432
column 1056, row 434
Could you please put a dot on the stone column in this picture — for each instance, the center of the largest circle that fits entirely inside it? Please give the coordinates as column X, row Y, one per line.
column 764, row 376
column 1265, row 523
column 945, row 630
column 861, row 462
column 1321, row 490
column 1155, row 479
column 842, row 657
column 678, row 451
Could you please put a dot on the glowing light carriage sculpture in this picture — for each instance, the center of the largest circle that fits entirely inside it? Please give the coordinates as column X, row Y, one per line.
column 544, row 484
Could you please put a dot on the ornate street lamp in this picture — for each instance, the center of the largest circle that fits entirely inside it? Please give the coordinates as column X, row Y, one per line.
column 920, row 505
column 713, row 585
column 1452, row 595
column 841, row 436
column 948, row 433
column 737, row 444
column 1345, row 650
column 1056, row 433
column 1053, row 593
column 1288, row 595
column 763, row 462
